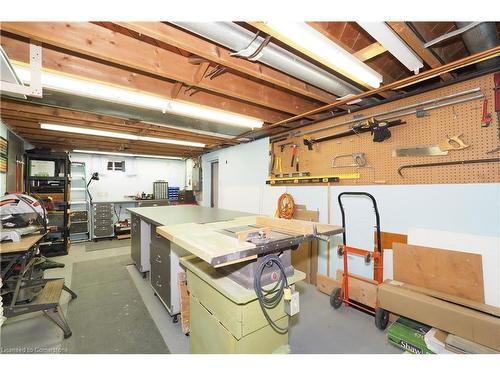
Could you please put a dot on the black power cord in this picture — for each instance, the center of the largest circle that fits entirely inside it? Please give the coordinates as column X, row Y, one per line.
column 270, row 298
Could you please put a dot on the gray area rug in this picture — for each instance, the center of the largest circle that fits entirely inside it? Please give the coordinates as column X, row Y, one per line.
column 109, row 315
column 106, row 244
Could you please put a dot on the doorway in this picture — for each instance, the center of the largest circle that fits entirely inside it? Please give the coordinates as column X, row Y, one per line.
column 214, row 191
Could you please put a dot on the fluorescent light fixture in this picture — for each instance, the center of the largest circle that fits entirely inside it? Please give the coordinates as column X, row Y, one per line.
column 305, row 38
column 110, row 134
column 91, row 89
column 129, row 155
column 383, row 34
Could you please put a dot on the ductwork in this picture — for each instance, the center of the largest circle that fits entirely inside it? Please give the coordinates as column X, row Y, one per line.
column 479, row 38
column 236, row 38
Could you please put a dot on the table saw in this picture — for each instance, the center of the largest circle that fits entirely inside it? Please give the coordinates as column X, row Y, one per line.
column 238, row 267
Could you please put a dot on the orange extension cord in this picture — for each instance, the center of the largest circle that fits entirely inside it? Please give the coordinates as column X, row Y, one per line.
column 286, row 206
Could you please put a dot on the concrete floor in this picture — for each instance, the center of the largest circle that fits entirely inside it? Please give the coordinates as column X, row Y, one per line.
column 317, row 329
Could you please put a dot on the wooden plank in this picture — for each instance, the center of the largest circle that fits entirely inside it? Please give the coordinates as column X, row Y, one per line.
column 361, row 290
column 452, row 272
column 305, row 258
column 370, row 51
column 388, row 238
column 61, row 62
column 416, row 44
column 219, row 55
column 51, row 292
column 101, row 43
column 203, row 242
column 26, row 243
column 493, row 310
column 326, row 284
column 208, row 243
column 184, row 296
column 468, row 346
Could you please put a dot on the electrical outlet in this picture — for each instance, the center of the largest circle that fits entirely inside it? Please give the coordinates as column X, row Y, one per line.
column 292, row 305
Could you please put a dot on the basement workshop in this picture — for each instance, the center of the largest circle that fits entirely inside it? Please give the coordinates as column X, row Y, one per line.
column 250, row 187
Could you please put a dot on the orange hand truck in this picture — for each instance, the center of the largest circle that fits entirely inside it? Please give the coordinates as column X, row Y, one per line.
column 341, row 295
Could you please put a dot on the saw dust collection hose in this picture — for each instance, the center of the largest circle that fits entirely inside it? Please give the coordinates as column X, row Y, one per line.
column 286, row 206
column 270, row 298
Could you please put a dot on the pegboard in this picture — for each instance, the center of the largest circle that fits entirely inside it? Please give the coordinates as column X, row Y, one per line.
column 432, row 129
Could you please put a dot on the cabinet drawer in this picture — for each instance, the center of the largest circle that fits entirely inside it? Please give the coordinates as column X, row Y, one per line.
column 103, row 223
column 103, row 206
column 103, row 215
column 160, row 280
column 157, row 239
column 104, row 231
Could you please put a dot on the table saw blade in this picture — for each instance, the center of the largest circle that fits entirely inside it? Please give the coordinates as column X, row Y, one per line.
column 419, row 151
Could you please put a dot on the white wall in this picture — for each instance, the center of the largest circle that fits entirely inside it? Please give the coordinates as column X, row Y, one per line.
column 462, row 208
column 139, row 175
column 3, row 176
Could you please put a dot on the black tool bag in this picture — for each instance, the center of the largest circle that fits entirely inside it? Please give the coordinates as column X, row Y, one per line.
column 380, row 131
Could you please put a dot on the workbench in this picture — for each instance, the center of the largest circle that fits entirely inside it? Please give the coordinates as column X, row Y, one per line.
column 152, row 252
column 18, row 262
column 103, row 222
column 231, row 260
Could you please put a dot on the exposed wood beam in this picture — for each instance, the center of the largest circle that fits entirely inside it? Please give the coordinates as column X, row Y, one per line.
column 10, row 115
column 219, row 55
column 101, row 43
column 370, row 51
column 74, row 65
column 174, row 93
column 466, row 61
column 32, row 133
column 200, row 72
column 11, row 108
column 413, row 41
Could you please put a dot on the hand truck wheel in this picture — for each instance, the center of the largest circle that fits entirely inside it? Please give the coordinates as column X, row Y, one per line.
column 336, row 298
column 381, row 318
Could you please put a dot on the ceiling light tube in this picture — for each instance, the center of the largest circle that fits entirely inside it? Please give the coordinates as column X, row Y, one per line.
column 310, row 41
column 96, row 90
column 129, row 155
column 383, row 34
column 110, row 134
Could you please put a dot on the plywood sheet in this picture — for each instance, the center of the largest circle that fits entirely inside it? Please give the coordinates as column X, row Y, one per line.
column 206, row 242
column 305, row 258
column 487, row 246
column 453, row 272
column 464, row 118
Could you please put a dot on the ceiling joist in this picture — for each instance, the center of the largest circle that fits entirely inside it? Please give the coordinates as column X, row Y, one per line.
column 101, row 43
column 219, row 55
column 74, row 65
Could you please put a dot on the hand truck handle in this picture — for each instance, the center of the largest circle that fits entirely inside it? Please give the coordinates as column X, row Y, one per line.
column 377, row 216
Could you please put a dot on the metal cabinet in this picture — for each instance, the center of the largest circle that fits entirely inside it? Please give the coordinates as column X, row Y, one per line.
column 102, row 218
column 164, row 258
column 154, row 203
column 135, row 244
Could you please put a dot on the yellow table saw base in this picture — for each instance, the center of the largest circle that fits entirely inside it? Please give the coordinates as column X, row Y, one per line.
column 227, row 318
column 209, row 336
